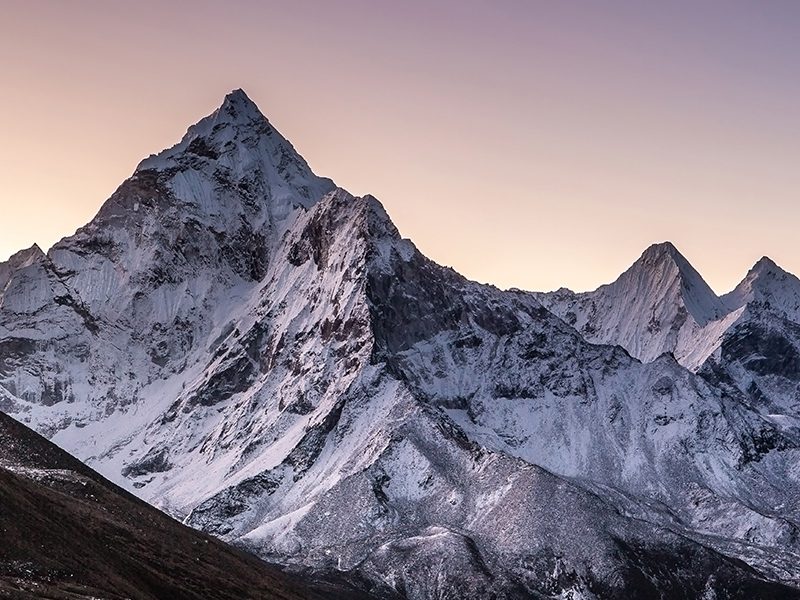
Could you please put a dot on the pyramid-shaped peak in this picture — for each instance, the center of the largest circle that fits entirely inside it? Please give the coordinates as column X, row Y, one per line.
column 665, row 259
column 766, row 265
column 23, row 259
column 27, row 256
column 237, row 126
column 238, row 106
column 664, row 256
column 33, row 251
column 662, row 248
column 768, row 284
column 663, row 251
column 764, row 273
column 237, row 111
column 238, row 96
column 663, row 276
column 237, row 142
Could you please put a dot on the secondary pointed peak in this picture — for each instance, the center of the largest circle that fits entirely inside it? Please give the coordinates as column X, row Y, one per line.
column 768, row 285
column 764, row 273
column 20, row 260
column 27, row 256
column 34, row 250
column 765, row 265
column 662, row 250
column 663, row 276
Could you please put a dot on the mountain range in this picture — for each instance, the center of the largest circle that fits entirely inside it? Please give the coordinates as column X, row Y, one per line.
column 263, row 356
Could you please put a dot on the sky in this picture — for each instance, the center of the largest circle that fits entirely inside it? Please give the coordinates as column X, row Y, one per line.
column 526, row 144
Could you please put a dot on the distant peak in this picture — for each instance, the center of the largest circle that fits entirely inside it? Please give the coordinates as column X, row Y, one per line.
column 765, row 265
column 35, row 250
column 665, row 253
column 763, row 273
column 769, row 284
column 661, row 249
column 765, row 269
column 662, row 268
column 20, row 260
column 28, row 255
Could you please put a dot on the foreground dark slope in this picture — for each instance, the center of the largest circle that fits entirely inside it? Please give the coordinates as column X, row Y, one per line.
column 69, row 533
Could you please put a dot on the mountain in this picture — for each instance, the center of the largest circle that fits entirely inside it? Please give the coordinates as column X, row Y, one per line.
column 759, row 353
column 746, row 342
column 770, row 286
column 262, row 355
column 659, row 305
column 70, row 533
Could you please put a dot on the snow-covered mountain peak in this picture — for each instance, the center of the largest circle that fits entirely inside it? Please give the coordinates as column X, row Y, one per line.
column 650, row 309
column 237, row 146
column 769, row 285
column 662, row 276
column 18, row 261
column 766, row 264
column 662, row 250
column 238, row 106
column 665, row 255
column 25, row 257
column 761, row 276
column 262, row 354
column 237, row 110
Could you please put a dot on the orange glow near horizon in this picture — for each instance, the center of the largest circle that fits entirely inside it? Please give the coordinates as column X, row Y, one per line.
column 526, row 144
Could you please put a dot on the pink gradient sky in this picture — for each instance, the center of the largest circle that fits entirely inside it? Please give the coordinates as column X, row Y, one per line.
column 528, row 144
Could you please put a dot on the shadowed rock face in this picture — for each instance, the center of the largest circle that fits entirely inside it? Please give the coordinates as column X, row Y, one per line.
column 764, row 350
column 270, row 361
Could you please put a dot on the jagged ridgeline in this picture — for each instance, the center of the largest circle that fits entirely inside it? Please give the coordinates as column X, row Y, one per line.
column 260, row 353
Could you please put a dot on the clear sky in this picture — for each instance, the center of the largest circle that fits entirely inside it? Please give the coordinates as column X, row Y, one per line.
column 525, row 143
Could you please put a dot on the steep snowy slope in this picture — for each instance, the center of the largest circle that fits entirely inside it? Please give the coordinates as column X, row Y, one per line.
column 520, row 381
column 748, row 340
column 69, row 533
column 260, row 353
column 126, row 298
column 419, row 486
column 659, row 305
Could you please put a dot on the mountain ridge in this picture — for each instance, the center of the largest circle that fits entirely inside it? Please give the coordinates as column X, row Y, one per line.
column 275, row 364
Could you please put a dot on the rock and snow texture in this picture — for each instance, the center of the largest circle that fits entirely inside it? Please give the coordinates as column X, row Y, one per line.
column 770, row 286
column 747, row 340
column 659, row 305
column 261, row 354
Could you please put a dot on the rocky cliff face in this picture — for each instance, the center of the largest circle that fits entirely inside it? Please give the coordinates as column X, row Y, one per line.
column 262, row 354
